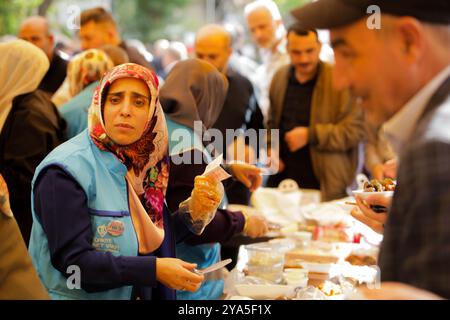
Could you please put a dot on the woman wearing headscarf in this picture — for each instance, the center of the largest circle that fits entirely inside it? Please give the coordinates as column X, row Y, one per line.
column 195, row 91
column 84, row 69
column 75, row 94
column 98, row 201
column 30, row 126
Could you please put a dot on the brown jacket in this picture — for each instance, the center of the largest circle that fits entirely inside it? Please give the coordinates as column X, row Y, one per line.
column 18, row 278
column 336, row 129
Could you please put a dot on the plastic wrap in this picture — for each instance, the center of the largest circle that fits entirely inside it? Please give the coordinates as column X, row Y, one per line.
column 199, row 209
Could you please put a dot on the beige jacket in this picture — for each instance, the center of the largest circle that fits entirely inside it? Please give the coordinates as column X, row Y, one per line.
column 18, row 278
column 336, row 129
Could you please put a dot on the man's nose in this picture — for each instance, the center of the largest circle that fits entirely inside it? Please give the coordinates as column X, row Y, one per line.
column 303, row 58
column 258, row 34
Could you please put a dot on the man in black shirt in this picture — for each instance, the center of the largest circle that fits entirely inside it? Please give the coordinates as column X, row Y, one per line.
column 36, row 30
column 240, row 110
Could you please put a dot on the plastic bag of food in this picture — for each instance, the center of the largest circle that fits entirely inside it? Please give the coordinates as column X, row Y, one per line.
column 199, row 209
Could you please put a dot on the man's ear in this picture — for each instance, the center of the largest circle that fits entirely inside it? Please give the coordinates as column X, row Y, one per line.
column 111, row 35
column 411, row 36
column 278, row 23
column 229, row 51
column 51, row 38
column 319, row 46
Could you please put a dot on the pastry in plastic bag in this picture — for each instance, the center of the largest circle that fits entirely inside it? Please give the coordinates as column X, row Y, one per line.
column 199, row 209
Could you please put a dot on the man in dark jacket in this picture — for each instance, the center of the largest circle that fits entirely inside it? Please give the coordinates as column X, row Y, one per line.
column 240, row 110
column 36, row 30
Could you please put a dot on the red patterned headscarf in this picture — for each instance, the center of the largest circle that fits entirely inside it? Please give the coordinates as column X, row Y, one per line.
column 146, row 159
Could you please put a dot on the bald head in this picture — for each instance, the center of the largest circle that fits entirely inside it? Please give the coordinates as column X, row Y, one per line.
column 36, row 30
column 215, row 31
column 213, row 44
column 264, row 22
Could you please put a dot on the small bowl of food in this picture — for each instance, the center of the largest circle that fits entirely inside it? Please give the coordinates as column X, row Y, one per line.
column 384, row 188
column 365, row 194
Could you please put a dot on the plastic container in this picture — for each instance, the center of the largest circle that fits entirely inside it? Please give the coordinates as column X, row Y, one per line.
column 302, row 239
column 296, row 277
column 266, row 261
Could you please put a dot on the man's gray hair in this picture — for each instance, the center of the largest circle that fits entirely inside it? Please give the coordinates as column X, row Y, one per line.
column 177, row 50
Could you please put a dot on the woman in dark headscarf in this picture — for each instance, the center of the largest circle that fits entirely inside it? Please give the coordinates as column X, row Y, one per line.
column 195, row 91
column 192, row 92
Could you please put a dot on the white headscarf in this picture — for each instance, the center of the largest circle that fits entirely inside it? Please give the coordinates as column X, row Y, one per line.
column 22, row 68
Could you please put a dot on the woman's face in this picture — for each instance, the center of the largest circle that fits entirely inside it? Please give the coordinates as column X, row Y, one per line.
column 126, row 110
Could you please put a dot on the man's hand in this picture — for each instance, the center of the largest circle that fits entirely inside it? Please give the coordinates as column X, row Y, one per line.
column 297, row 138
column 396, row 291
column 369, row 217
column 378, row 171
column 385, row 170
column 247, row 174
column 390, row 168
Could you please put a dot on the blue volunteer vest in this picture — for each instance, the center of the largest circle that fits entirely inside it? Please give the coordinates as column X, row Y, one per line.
column 101, row 175
column 181, row 139
column 75, row 111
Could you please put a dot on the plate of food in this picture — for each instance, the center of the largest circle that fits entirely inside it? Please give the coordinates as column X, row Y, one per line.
column 365, row 194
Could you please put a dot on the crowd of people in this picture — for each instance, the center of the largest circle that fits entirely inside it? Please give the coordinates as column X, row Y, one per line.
column 90, row 171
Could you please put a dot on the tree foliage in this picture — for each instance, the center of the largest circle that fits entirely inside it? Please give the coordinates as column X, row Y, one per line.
column 145, row 19
column 12, row 12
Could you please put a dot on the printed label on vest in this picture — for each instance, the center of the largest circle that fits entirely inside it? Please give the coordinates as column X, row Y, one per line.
column 104, row 237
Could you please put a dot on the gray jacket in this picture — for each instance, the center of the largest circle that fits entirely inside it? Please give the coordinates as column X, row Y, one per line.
column 416, row 245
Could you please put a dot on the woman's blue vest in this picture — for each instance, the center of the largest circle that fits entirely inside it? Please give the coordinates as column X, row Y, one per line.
column 181, row 139
column 101, row 175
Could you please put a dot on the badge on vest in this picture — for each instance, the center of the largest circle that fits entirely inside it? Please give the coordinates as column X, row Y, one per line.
column 101, row 230
column 115, row 228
